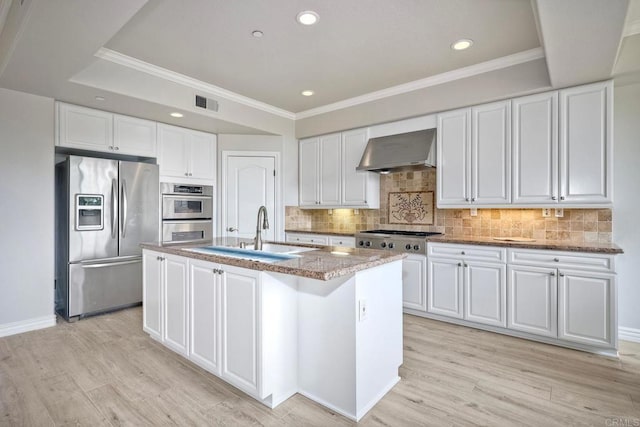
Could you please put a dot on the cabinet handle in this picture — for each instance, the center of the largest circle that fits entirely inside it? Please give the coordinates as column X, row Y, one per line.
column 554, row 198
column 465, row 265
column 111, row 147
column 473, row 199
column 158, row 258
column 186, row 174
column 116, row 148
column 556, row 260
column 232, row 229
column 220, row 271
column 561, row 274
column 459, row 264
column 466, row 199
column 462, row 253
column 190, row 174
column 561, row 197
column 553, row 273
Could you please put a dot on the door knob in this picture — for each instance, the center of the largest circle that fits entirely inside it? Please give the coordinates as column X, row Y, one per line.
column 232, row 229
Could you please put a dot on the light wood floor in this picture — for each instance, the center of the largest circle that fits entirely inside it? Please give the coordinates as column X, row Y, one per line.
column 105, row 371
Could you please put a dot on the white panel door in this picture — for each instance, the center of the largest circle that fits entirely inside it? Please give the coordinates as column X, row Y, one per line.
column 175, row 303
column 491, row 154
column 444, row 285
column 202, row 155
column 330, row 177
column 485, row 293
column 414, row 282
column 84, row 128
column 532, row 300
column 453, row 152
column 173, row 151
column 535, row 149
column 585, row 312
column 152, row 293
column 136, row 137
column 249, row 184
column 586, row 133
column 241, row 328
column 354, row 183
column 204, row 315
column 309, row 173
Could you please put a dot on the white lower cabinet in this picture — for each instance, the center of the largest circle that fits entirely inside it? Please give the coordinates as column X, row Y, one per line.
column 414, row 282
column 445, row 287
column 485, row 286
column 533, row 300
column 241, row 329
column 204, row 315
column 175, row 300
column 586, row 304
column 152, row 277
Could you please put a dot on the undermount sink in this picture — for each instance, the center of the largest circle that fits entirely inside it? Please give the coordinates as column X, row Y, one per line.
column 280, row 248
column 247, row 253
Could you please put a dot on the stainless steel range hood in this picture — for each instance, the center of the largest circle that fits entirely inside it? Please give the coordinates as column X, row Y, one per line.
column 401, row 152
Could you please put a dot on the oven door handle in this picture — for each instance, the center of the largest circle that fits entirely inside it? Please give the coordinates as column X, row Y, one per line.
column 114, row 208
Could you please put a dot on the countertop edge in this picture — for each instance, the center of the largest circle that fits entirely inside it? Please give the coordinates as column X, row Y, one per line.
column 607, row 249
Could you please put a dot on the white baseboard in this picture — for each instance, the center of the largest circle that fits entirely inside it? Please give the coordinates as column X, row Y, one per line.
column 628, row 334
column 27, row 325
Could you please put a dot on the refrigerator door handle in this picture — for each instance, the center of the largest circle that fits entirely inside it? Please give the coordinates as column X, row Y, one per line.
column 110, row 264
column 114, row 194
column 123, row 212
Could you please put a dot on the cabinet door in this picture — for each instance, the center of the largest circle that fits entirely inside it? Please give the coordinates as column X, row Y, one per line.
column 535, row 149
column 330, row 175
column 204, row 315
column 444, row 286
column 152, row 300
column 84, row 128
column 241, row 329
column 491, row 154
column 354, row 183
column 414, row 282
column 202, row 155
column 453, row 151
column 136, row 137
column 173, row 151
column 586, row 128
column 309, row 173
column 586, row 311
column 485, row 293
column 175, row 304
column 533, row 300
column 348, row 242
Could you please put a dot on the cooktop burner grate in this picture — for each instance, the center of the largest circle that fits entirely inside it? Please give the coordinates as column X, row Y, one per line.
column 403, row 233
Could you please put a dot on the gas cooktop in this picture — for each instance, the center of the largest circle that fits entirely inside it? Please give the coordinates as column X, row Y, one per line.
column 395, row 240
column 402, row 233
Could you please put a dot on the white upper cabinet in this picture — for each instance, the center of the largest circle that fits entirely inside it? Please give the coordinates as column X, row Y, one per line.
column 491, row 154
column 535, row 149
column 474, row 148
column 359, row 188
column 186, row 154
column 88, row 129
column 84, row 128
column 454, row 152
column 586, row 152
column 328, row 176
column 134, row 136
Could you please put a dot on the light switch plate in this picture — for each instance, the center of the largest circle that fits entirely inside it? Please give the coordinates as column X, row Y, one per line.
column 546, row 212
column 474, row 211
column 559, row 212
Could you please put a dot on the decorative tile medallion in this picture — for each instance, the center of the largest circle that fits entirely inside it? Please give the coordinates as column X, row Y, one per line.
column 411, row 207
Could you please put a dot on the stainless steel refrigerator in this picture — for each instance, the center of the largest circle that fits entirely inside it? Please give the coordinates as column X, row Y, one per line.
column 104, row 210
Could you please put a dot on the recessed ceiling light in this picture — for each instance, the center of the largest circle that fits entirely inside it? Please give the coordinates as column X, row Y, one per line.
column 176, row 114
column 257, row 34
column 308, row 17
column 307, row 92
column 462, row 44
column 100, row 98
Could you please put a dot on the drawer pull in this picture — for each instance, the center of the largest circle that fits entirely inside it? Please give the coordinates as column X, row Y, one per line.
column 462, row 253
column 553, row 273
column 459, row 264
column 561, row 274
column 556, row 259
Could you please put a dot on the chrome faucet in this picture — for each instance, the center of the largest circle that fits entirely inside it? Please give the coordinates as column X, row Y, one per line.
column 265, row 226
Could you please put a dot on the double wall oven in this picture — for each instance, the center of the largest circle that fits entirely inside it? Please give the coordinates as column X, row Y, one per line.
column 187, row 212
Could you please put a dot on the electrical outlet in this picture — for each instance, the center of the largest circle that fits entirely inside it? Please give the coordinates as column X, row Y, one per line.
column 559, row 212
column 363, row 310
column 546, row 212
column 474, row 211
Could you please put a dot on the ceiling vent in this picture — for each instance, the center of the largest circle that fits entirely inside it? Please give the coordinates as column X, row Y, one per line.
column 206, row 103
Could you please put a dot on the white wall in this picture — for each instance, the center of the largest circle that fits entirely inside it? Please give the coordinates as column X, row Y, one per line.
column 626, row 211
column 27, row 212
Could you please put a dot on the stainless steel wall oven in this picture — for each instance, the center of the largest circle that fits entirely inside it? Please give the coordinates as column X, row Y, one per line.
column 187, row 212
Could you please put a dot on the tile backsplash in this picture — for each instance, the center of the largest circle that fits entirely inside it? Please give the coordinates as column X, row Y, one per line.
column 577, row 225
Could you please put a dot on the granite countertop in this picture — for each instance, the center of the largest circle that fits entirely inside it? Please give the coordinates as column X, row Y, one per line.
column 320, row 263
column 603, row 248
column 317, row 231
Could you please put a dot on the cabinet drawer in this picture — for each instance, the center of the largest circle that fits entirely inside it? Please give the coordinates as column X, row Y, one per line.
column 316, row 239
column 580, row 261
column 467, row 252
column 346, row 241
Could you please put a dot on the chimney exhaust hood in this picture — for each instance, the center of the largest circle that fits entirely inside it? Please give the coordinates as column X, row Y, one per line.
column 401, row 152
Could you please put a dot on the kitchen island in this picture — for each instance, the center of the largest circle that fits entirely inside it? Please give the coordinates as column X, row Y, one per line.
column 312, row 324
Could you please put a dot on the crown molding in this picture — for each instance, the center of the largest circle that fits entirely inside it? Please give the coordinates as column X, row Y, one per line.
column 632, row 28
column 206, row 88
column 438, row 79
